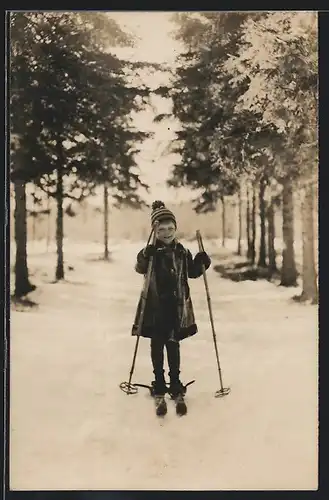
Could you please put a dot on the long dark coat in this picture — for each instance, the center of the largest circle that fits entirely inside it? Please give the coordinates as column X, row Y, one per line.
column 169, row 307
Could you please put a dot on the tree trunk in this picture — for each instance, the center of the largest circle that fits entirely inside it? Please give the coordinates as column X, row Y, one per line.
column 22, row 283
column 239, row 252
column 59, row 224
column 310, row 288
column 248, row 229
column 106, row 222
column 262, row 215
column 33, row 215
column 288, row 271
column 271, row 239
column 223, row 221
column 48, row 223
column 253, row 226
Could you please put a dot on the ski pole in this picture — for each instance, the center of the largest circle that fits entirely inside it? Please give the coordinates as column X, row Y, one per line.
column 222, row 391
column 128, row 387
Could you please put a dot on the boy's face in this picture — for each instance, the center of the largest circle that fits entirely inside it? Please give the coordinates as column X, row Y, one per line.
column 165, row 232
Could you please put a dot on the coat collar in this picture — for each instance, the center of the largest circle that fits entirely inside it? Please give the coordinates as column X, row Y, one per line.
column 175, row 245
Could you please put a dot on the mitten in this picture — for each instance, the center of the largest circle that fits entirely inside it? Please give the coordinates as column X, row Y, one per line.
column 203, row 258
column 149, row 251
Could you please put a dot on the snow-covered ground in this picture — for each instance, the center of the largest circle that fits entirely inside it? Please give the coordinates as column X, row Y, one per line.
column 72, row 427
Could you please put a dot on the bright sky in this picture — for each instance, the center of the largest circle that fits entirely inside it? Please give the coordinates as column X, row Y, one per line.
column 154, row 45
column 153, row 30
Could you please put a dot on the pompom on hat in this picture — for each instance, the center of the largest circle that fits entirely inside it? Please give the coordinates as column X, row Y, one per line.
column 160, row 213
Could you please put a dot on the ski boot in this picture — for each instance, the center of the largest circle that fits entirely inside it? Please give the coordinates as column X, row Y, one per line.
column 158, row 392
column 177, row 392
column 160, row 406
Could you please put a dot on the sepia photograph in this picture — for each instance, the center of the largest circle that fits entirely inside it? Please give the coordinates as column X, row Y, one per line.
column 163, row 177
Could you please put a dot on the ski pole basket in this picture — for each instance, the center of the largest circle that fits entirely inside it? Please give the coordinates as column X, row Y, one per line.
column 222, row 392
column 128, row 388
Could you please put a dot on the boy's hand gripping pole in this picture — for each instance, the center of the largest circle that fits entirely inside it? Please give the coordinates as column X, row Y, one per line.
column 128, row 387
column 222, row 391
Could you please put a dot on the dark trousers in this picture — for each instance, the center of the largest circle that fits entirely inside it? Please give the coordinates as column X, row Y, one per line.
column 173, row 356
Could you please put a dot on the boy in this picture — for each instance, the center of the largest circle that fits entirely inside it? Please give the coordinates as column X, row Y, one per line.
column 168, row 316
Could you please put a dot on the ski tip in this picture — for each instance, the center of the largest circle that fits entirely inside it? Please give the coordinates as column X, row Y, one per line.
column 189, row 383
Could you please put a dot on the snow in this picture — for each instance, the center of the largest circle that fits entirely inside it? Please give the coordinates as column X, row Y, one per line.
column 72, row 427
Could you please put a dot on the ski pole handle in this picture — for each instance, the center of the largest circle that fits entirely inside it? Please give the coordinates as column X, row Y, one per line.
column 199, row 240
column 149, row 239
column 153, row 232
column 201, row 249
column 149, row 269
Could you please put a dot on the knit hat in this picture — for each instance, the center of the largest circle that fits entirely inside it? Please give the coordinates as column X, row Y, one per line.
column 160, row 213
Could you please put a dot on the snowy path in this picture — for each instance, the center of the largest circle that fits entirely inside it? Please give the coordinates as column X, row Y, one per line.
column 72, row 427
